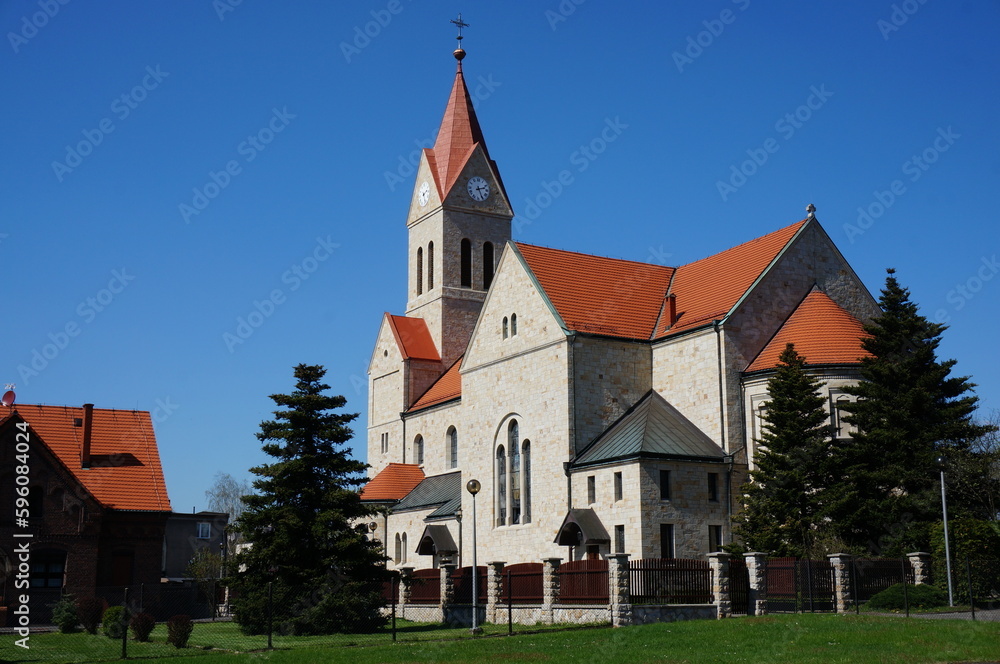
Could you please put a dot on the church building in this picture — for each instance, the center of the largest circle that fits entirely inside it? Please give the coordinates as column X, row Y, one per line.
column 602, row 405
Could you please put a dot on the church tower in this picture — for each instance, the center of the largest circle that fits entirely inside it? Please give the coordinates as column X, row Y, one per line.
column 458, row 223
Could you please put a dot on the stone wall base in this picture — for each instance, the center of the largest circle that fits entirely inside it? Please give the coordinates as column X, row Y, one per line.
column 653, row 613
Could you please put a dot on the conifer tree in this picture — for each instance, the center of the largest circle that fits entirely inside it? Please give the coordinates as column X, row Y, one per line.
column 909, row 411
column 783, row 502
column 306, row 524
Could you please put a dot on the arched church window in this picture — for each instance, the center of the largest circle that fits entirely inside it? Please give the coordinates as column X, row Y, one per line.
column 453, row 447
column 466, row 263
column 513, row 325
column 420, row 270
column 418, row 450
column 515, row 472
column 403, row 547
column 501, row 482
column 398, row 553
column 487, row 265
column 430, row 266
column 505, row 330
column 526, row 473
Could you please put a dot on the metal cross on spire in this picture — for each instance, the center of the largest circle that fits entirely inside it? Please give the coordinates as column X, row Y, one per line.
column 459, row 23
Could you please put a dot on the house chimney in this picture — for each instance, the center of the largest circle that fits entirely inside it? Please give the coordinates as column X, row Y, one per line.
column 88, row 425
column 671, row 310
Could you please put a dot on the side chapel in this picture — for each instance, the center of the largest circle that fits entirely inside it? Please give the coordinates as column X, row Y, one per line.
column 604, row 405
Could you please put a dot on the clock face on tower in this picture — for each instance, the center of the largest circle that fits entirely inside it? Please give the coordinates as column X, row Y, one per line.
column 424, row 194
column 479, row 189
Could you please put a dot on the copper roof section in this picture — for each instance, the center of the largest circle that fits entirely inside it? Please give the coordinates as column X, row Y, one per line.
column 445, row 388
column 393, row 482
column 124, row 472
column 606, row 296
column 413, row 338
column 708, row 289
column 822, row 331
column 458, row 135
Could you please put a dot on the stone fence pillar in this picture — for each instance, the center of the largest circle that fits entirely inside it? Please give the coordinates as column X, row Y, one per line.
column 843, row 596
column 494, row 587
column 719, row 564
column 757, row 571
column 550, row 588
column 405, row 588
column 447, row 586
column 619, row 596
column 921, row 562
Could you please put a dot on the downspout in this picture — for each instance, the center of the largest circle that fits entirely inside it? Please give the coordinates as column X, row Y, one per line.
column 722, row 431
column 403, row 419
column 570, row 340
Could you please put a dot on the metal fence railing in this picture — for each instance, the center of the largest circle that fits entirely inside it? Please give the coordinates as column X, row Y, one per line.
column 670, row 581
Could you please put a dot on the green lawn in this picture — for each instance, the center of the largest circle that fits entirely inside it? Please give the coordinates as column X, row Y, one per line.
column 794, row 639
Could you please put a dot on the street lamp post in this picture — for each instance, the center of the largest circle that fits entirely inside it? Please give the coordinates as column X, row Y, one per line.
column 458, row 518
column 473, row 487
column 947, row 549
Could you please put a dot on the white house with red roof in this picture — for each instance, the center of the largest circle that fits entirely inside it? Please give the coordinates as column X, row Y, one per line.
column 604, row 405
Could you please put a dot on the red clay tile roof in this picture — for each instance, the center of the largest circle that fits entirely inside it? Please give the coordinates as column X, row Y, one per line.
column 822, row 332
column 707, row 289
column 125, row 472
column 445, row 388
column 393, row 482
column 607, row 296
column 457, row 136
column 413, row 338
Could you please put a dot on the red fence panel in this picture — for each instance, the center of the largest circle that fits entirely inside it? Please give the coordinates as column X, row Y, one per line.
column 463, row 585
column 425, row 586
column 583, row 582
column 525, row 583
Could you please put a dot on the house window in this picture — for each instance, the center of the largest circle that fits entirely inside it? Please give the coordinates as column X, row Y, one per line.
column 487, row 265
column 420, row 270
column 842, row 428
column 204, row 530
column 667, row 540
column 664, row 485
column 619, row 539
column 430, row 266
column 591, row 489
column 714, row 538
column 418, row 450
column 505, row 328
column 48, row 567
column 513, row 325
column 713, row 487
column 618, row 486
column 514, row 444
column 453, row 446
column 526, row 472
column 501, row 506
column 466, row 264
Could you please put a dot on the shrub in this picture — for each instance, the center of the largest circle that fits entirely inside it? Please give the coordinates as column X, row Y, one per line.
column 142, row 624
column 113, row 624
column 921, row 596
column 64, row 614
column 179, row 630
column 90, row 610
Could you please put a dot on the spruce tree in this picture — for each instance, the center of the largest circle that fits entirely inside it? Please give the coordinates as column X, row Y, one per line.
column 306, row 524
column 909, row 411
column 783, row 501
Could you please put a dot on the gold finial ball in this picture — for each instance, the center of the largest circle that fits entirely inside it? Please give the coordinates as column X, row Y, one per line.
column 459, row 54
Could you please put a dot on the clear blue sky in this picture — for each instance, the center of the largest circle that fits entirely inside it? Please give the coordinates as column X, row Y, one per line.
column 696, row 90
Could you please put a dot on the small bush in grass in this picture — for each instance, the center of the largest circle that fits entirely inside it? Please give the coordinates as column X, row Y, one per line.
column 921, row 596
column 64, row 614
column 179, row 629
column 90, row 610
column 113, row 623
column 142, row 624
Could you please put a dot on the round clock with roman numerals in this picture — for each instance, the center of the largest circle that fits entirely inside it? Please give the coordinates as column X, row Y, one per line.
column 479, row 189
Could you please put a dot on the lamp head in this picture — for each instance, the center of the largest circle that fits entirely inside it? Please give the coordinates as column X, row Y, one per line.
column 473, row 486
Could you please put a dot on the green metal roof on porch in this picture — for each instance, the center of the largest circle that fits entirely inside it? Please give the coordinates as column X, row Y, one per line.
column 652, row 428
column 433, row 491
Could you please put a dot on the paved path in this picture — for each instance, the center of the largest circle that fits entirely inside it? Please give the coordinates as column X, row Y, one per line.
column 992, row 615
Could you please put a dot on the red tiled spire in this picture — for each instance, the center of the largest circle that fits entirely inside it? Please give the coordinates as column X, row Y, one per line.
column 458, row 135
